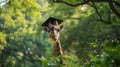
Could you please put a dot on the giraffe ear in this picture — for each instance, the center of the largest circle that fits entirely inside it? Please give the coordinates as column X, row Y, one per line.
column 61, row 26
column 45, row 29
column 56, row 23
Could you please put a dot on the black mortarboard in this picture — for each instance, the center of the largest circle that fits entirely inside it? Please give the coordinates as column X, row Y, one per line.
column 52, row 21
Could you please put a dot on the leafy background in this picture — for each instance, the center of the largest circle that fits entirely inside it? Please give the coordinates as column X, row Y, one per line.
column 86, row 41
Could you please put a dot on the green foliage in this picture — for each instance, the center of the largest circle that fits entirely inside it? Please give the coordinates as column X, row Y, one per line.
column 86, row 41
column 2, row 41
column 109, row 56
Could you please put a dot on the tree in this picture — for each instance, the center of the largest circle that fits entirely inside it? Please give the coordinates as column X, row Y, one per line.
column 20, row 36
column 113, row 4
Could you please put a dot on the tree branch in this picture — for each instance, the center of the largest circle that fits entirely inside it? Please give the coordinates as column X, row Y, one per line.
column 117, row 3
column 100, row 17
column 73, row 5
column 113, row 8
column 82, row 3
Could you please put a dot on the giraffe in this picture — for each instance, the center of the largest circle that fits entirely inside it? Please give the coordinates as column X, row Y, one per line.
column 53, row 27
column 54, row 33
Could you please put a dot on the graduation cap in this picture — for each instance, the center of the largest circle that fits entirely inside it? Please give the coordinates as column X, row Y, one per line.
column 52, row 21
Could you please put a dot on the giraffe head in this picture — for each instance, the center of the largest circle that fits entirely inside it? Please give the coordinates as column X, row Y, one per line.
column 54, row 30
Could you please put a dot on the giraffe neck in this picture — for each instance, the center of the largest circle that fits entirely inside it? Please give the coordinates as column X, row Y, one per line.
column 57, row 48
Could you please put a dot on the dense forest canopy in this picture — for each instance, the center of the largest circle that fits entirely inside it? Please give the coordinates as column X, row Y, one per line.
column 90, row 38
